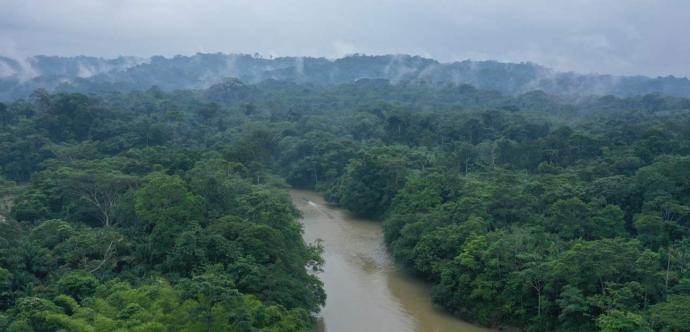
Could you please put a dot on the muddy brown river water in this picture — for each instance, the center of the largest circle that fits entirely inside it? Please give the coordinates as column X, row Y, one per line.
column 366, row 290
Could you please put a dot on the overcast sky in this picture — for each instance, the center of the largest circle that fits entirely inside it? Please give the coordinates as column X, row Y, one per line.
column 603, row 36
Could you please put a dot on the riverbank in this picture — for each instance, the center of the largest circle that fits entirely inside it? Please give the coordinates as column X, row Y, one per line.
column 366, row 290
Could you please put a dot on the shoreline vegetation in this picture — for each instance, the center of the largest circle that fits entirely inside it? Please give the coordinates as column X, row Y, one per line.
column 367, row 290
column 155, row 210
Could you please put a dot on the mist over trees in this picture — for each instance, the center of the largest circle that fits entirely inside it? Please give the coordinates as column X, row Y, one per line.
column 166, row 210
column 20, row 77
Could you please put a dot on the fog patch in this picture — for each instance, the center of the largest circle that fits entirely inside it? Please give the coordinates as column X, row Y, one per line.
column 299, row 67
column 6, row 71
column 396, row 70
column 21, row 69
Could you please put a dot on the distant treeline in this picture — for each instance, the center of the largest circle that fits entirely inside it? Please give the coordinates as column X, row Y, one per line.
column 20, row 77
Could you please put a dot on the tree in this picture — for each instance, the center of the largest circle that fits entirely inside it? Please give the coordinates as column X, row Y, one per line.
column 589, row 265
column 78, row 285
column 51, row 233
column 622, row 321
column 569, row 218
column 464, row 156
column 220, row 183
column 6, row 291
column 166, row 208
column 534, row 275
column 574, row 310
column 95, row 185
column 371, row 182
column 672, row 314
column 165, row 199
column 651, row 230
column 5, row 115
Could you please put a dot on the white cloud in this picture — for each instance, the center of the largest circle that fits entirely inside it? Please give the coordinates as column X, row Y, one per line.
column 9, row 49
column 6, row 70
column 342, row 49
column 613, row 36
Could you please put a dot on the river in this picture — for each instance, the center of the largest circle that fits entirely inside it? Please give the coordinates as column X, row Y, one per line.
column 366, row 290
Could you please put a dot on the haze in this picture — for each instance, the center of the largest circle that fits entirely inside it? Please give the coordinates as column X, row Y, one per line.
column 614, row 37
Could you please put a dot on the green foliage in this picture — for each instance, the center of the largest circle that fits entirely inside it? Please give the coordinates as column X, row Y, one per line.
column 621, row 321
column 205, row 303
column 51, row 233
column 155, row 211
column 220, row 183
column 371, row 181
column 672, row 314
column 78, row 285
column 165, row 200
column 111, row 194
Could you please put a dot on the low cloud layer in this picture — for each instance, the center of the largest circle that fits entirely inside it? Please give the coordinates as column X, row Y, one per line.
column 615, row 36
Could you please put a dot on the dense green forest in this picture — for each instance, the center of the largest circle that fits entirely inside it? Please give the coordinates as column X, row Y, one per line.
column 158, row 210
column 122, row 219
